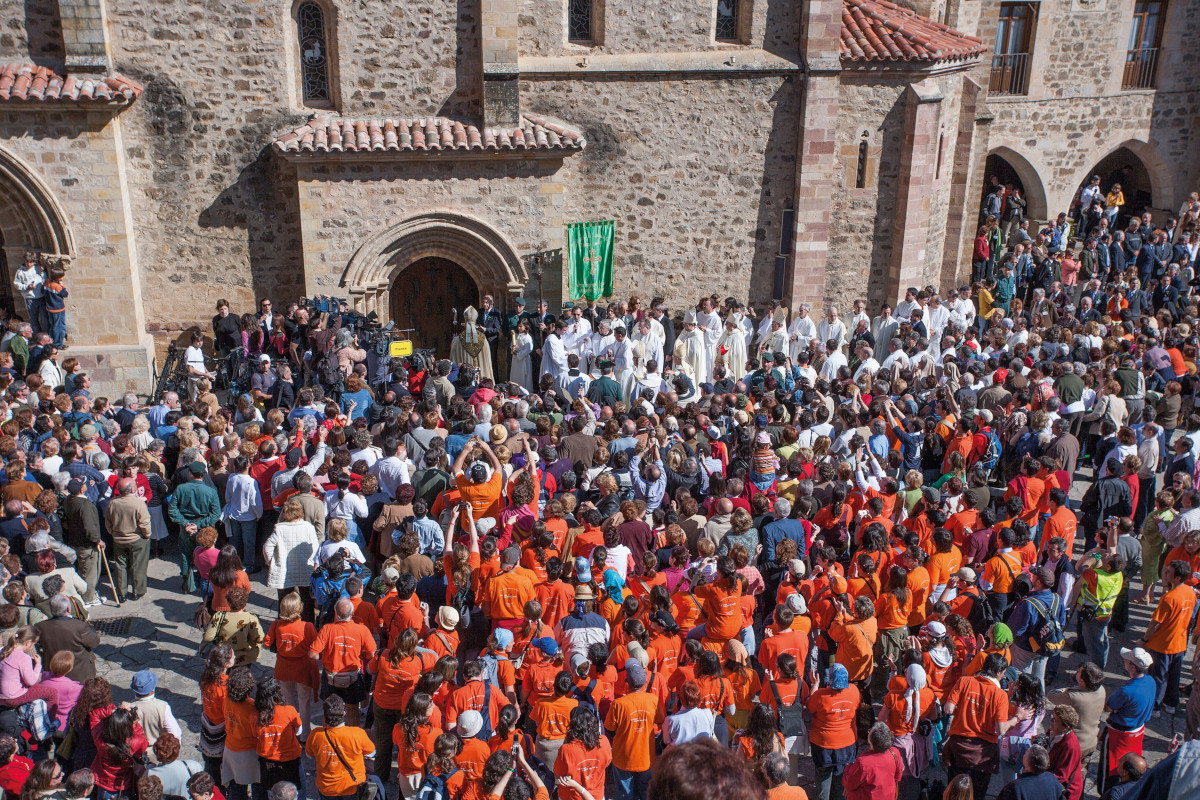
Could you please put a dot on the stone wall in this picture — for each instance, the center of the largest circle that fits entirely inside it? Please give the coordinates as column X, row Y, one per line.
column 696, row 173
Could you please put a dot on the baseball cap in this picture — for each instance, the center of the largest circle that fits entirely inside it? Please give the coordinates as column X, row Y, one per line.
column 934, row 628
column 478, row 473
column 196, row 468
column 1138, row 656
column 663, row 619
column 635, row 674
column 796, row 566
column 509, row 557
column 583, row 570
column 546, row 644
column 966, row 574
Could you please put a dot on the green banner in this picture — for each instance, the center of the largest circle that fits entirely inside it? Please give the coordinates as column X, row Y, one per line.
column 590, row 252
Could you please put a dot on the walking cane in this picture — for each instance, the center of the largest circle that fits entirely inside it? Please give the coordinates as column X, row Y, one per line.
column 111, row 582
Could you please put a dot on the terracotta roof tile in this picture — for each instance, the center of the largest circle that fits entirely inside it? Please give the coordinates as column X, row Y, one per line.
column 878, row 30
column 29, row 83
column 430, row 134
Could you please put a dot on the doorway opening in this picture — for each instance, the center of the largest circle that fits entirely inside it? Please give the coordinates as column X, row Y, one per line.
column 424, row 297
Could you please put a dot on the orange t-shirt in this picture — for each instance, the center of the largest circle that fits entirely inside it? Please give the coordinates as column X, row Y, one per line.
column 943, row 566
column 891, row 613
column 557, row 599
column 213, row 700
column 474, row 755
column 292, row 641
column 587, row 767
column 715, row 694
column 722, row 605
column 1173, row 615
column 241, row 726
column 587, row 541
column 668, row 649
column 505, row 595
column 278, row 740
column 689, row 610
column 1180, row 553
column 1061, row 523
column 897, row 709
column 553, row 716
column 411, row 756
column 632, row 719
column 404, row 614
column 366, row 615
column 442, row 642
column 483, row 497
column 394, row 682
column 980, row 704
column 219, row 603
column 538, row 682
column 833, row 717
column 788, row 689
column 960, row 521
column 470, row 698
column 343, row 646
column 353, row 744
column 856, row 642
column 448, row 567
column 1002, row 570
column 791, row 642
column 919, row 587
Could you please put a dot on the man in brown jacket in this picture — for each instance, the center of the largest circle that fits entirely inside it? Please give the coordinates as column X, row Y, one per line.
column 128, row 522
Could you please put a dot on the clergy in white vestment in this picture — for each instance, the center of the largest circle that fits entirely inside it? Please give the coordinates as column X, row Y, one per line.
column 636, row 370
column 905, row 308
column 832, row 328
column 731, row 349
column 777, row 339
column 802, row 331
column 860, row 313
column 652, row 343
column 691, row 352
column 883, row 328
column 620, row 352
column 470, row 347
column 710, row 322
column 936, row 317
column 579, row 331
column 962, row 309
column 600, row 341
column 650, row 380
column 764, row 325
column 554, row 352
column 574, row 381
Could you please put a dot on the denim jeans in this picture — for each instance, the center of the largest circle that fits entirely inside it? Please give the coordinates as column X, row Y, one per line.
column 1029, row 663
column 58, row 327
column 1095, row 639
column 37, row 314
column 244, row 538
column 631, row 785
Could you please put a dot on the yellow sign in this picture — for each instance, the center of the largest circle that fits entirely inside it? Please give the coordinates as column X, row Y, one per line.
column 398, row 349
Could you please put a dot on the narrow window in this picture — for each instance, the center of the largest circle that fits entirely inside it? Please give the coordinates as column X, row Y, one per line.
column 937, row 173
column 1011, row 52
column 727, row 21
column 579, row 21
column 314, row 54
column 860, row 175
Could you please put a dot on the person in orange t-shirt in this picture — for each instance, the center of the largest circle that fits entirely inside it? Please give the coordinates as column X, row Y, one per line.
column 291, row 638
column 908, row 701
column 336, row 746
column 855, row 632
column 414, row 737
column 630, row 723
column 556, row 596
column 722, row 604
column 1029, row 488
column 396, row 674
column 944, row 563
column 919, row 584
column 1061, row 522
column 1001, row 571
column 343, row 647
column 891, row 614
column 1167, row 632
column 505, row 594
column 833, row 708
column 782, row 639
column 474, row 695
column 241, row 731
column 584, row 756
column 552, row 716
column 278, row 747
column 481, row 488
column 979, row 706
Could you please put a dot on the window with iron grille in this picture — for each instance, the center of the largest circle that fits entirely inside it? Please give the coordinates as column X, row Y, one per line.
column 727, row 20
column 314, row 53
column 579, row 21
column 1145, row 36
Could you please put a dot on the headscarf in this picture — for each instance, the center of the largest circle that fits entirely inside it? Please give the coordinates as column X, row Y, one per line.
column 836, row 677
column 1001, row 634
column 613, row 586
column 915, row 676
column 735, row 651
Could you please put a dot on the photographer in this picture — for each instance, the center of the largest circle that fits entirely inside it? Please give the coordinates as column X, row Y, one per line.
column 1093, row 598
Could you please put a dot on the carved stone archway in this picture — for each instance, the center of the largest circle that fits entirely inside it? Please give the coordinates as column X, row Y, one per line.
column 485, row 253
column 30, row 217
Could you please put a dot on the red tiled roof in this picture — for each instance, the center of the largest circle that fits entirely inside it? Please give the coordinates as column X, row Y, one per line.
column 431, row 134
column 29, row 83
column 878, row 30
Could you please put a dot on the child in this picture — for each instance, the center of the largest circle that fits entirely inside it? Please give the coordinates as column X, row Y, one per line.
column 14, row 769
column 68, row 690
column 56, row 306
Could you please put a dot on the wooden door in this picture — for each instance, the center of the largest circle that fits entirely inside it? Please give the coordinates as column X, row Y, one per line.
column 424, row 297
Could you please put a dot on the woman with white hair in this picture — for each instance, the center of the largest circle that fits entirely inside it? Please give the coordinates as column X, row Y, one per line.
column 139, row 433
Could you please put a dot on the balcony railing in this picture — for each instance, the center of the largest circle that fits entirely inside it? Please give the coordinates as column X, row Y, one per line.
column 1140, row 68
column 1010, row 74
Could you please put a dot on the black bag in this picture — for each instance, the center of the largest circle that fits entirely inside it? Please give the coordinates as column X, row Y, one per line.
column 789, row 718
column 328, row 369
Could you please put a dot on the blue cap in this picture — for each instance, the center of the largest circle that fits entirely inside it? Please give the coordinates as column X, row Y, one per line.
column 583, row 570
column 143, row 683
column 546, row 644
column 520, row 301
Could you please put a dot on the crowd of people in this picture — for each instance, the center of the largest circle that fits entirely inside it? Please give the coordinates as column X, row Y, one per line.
column 706, row 555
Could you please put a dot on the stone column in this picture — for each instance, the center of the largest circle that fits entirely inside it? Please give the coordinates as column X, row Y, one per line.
column 85, row 36
column 918, row 164
column 816, row 162
column 498, row 31
column 966, row 177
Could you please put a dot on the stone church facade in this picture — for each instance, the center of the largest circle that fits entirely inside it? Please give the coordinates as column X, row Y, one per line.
column 415, row 155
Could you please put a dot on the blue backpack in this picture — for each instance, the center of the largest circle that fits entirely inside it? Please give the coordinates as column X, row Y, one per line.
column 991, row 452
column 434, row 787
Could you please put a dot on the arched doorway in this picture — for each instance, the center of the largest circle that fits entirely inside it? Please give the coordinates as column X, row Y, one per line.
column 1125, row 167
column 424, row 296
column 1009, row 167
column 30, row 219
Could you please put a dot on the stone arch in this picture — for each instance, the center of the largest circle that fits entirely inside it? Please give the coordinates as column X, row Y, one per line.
column 485, row 253
column 1162, row 178
column 1031, row 181
column 30, row 217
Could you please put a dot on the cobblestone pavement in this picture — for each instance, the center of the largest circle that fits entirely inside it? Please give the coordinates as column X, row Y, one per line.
column 160, row 636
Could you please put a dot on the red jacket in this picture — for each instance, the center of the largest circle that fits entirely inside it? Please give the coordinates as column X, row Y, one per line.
column 983, row 250
column 1066, row 763
column 112, row 774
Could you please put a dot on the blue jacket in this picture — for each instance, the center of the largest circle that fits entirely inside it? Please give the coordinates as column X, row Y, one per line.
column 1026, row 620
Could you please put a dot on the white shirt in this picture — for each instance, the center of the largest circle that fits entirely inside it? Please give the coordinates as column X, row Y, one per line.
column 576, row 337
column 391, row 472
column 829, row 369
column 194, row 358
column 832, row 330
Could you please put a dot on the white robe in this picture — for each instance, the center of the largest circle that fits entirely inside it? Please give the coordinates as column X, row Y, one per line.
column 883, row 329
column 621, row 353
column 577, row 335
column 905, row 308
column 596, row 347
column 747, row 327
column 800, row 335
column 483, row 361
column 554, row 356
column 575, row 385
column 827, row 330
column 764, row 328
column 692, row 355
column 833, row 363
column 652, row 345
column 521, row 372
column 651, row 380
column 731, row 351
column 712, row 326
column 776, row 342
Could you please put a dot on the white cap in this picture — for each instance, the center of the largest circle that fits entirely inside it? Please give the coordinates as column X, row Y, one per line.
column 1138, row 656
column 469, row 723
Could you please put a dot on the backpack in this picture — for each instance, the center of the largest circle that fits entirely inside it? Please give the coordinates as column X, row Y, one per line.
column 585, row 697
column 789, row 718
column 1027, row 445
column 1049, row 637
column 434, row 787
column 491, row 669
column 328, row 369
column 838, row 535
column 982, row 616
column 485, row 732
column 991, row 451
column 462, row 602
